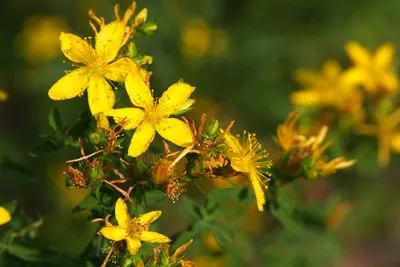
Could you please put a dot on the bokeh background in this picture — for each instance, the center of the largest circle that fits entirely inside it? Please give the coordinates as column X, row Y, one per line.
column 240, row 55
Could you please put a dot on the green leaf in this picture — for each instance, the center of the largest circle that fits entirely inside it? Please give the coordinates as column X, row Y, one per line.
column 24, row 253
column 189, row 209
column 155, row 197
column 221, row 234
column 44, row 147
column 286, row 218
column 10, row 206
column 55, row 121
column 90, row 202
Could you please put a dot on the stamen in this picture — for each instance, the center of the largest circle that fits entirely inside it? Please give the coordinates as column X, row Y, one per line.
column 116, row 12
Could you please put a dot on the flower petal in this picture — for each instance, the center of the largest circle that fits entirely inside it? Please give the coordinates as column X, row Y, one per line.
column 150, row 217
column 118, row 70
column 5, row 216
column 138, row 91
column 108, row 41
column 306, row 98
column 134, row 115
column 115, row 233
column 121, row 213
column 154, row 237
column 141, row 139
column 76, row 49
column 331, row 69
column 358, row 54
column 71, row 85
column 173, row 99
column 175, row 131
column 133, row 245
column 257, row 189
column 384, row 56
column 100, row 94
column 233, row 143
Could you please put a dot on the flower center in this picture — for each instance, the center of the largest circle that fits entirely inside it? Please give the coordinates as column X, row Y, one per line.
column 135, row 228
column 153, row 116
column 98, row 67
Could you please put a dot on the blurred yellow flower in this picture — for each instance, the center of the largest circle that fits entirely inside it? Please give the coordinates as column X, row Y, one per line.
column 338, row 213
column 133, row 230
column 301, row 147
column 198, row 40
column 3, row 95
column 247, row 156
column 374, row 71
column 99, row 65
column 38, row 40
column 209, row 261
column 331, row 88
column 152, row 116
column 387, row 133
column 5, row 216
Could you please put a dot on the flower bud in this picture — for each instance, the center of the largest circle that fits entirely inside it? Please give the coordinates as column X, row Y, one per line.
column 102, row 121
column 95, row 173
column 132, row 50
column 94, row 138
column 141, row 16
column 212, row 128
column 150, row 28
column 185, row 107
column 164, row 259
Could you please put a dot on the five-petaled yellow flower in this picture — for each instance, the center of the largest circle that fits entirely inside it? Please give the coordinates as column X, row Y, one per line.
column 98, row 66
column 5, row 216
column 247, row 156
column 374, row 70
column 133, row 230
column 331, row 88
column 151, row 116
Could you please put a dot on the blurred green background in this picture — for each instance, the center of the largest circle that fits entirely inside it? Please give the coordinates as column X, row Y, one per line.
column 240, row 56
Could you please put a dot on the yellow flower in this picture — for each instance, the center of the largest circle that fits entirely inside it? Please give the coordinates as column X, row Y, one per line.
column 374, row 70
column 38, row 41
column 246, row 156
column 5, row 216
column 331, row 87
column 99, row 66
column 301, row 147
column 388, row 135
column 3, row 95
column 133, row 230
column 151, row 116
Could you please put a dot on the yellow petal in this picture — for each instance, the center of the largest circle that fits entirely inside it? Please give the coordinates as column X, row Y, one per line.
column 358, row 54
column 138, row 91
column 173, row 99
column 154, row 237
column 305, row 98
column 76, row 49
column 118, row 70
column 233, row 143
column 71, row 85
column 384, row 56
column 141, row 16
column 121, row 213
column 5, row 216
column 150, row 217
column 353, row 76
column 109, row 40
column 133, row 245
column 258, row 190
column 307, row 76
column 141, row 139
column 115, row 233
column 100, row 94
column 331, row 69
column 390, row 82
column 395, row 143
column 134, row 116
column 175, row 131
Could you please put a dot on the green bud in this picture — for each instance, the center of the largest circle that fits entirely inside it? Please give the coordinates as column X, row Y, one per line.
column 132, row 50
column 213, row 128
column 164, row 259
column 94, row 138
column 141, row 166
column 95, row 173
column 150, row 28
column 127, row 261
